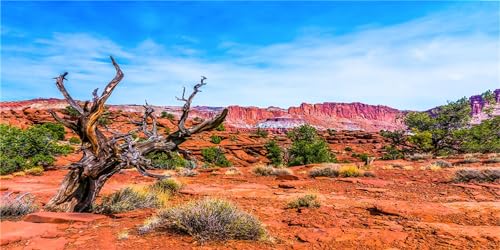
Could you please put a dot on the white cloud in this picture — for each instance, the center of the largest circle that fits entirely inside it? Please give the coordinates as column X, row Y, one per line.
column 414, row 65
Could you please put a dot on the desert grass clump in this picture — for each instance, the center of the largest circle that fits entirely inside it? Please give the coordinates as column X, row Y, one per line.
column 484, row 175
column 432, row 167
column 306, row 201
column 350, row 171
column 442, row 164
column 470, row 158
column 37, row 171
column 167, row 185
column 419, row 157
column 263, row 170
column 131, row 198
column 14, row 206
column 208, row 220
column 493, row 159
column 233, row 171
column 186, row 172
column 327, row 171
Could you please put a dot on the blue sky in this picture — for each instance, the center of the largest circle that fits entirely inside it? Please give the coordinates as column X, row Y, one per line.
column 407, row 55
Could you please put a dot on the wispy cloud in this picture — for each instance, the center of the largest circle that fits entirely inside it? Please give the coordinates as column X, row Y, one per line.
column 413, row 65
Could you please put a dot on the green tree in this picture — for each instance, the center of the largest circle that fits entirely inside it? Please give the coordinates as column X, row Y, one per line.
column 274, row 153
column 307, row 147
column 434, row 131
column 214, row 155
column 169, row 116
column 23, row 149
column 481, row 138
column 56, row 129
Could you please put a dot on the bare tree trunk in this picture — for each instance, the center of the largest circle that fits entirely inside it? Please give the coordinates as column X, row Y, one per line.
column 103, row 157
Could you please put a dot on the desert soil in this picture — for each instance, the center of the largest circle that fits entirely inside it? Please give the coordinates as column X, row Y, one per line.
column 398, row 209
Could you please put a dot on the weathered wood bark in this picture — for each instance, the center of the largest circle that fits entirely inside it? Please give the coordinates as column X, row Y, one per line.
column 104, row 156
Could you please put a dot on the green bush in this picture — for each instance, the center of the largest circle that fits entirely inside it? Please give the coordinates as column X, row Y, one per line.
column 71, row 111
column 167, row 115
column 307, row 147
column 392, row 153
column 307, row 201
column 23, row 149
column 363, row 156
column 74, row 140
column 208, row 220
column 167, row 160
column 56, row 129
column 480, row 138
column 348, row 149
column 220, row 127
column 215, row 139
column 274, row 153
column 215, row 156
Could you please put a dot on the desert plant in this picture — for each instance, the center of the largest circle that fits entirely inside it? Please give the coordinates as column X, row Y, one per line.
column 74, row 140
column 419, row 156
column 443, row 164
column 56, row 129
column 186, row 172
column 208, row 219
column 72, row 112
column 34, row 171
column 307, row 147
column 213, row 155
column 470, row 159
column 169, row 116
column 350, row 171
column 274, row 153
column 348, row 149
column 261, row 133
column 167, row 160
column 263, row 170
column 306, row 201
column 167, row 185
column 24, row 149
column 327, row 171
column 484, row 175
column 215, row 139
column 15, row 206
column 233, row 171
column 392, row 153
column 131, row 198
column 220, row 127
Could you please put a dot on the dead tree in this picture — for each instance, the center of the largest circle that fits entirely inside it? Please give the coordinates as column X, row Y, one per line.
column 104, row 156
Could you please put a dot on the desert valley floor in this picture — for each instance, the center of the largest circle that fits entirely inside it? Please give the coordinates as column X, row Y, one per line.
column 402, row 207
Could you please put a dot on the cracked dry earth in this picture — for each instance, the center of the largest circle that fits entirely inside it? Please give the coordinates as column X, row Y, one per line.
column 397, row 209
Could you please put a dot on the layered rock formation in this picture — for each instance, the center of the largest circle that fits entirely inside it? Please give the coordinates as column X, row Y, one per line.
column 338, row 116
column 481, row 109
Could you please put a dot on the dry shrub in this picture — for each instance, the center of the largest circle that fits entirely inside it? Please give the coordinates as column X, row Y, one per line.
column 306, row 201
column 208, row 220
column 14, row 206
column 131, row 198
column 167, row 185
column 484, row 175
column 442, row 164
column 233, row 171
column 418, row 157
column 350, row 171
column 262, row 170
column 327, row 171
column 186, row 172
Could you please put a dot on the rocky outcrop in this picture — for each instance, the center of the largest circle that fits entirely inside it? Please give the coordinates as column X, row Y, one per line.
column 339, row 116
column 481, row 109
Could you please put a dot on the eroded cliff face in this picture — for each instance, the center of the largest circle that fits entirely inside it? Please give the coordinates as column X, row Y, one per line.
column 339, row 116
column 482, row 109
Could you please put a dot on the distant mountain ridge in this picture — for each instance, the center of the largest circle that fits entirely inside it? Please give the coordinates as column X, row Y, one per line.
column 327, row 115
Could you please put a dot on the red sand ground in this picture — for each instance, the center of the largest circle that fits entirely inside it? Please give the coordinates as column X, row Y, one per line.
column 397, row 209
